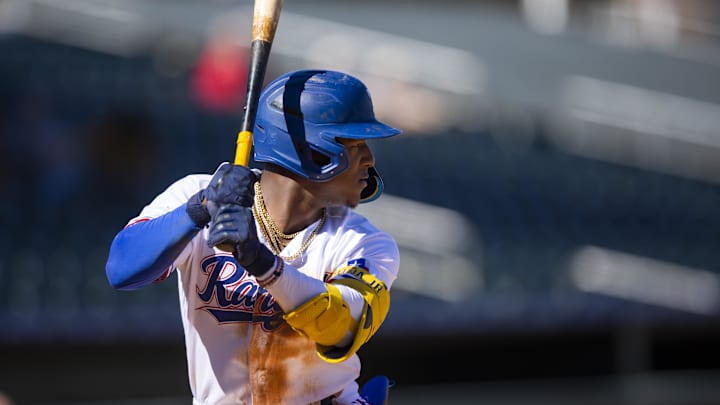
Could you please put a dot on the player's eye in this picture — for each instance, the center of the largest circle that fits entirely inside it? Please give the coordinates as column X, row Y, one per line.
column 351, row 143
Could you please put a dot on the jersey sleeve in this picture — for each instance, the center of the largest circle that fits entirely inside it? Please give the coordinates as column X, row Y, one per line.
column 157, row 241
column 171, row 198
column 378, row 252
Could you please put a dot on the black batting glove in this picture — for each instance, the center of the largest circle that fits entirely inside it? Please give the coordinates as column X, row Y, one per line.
column 230, row 184
column 235, row 224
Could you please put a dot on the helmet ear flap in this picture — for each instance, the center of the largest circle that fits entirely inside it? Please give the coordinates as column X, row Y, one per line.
column 374, row 188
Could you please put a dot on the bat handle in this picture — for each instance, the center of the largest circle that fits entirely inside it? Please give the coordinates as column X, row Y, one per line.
column 226, row 247
column 242, row 148
column 242, row 158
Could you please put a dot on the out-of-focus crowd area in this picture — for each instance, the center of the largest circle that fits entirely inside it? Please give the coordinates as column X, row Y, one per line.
column 555, row 192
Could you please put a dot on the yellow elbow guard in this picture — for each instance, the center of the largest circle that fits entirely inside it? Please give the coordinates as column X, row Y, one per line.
column 375, row 308
column 326, row 318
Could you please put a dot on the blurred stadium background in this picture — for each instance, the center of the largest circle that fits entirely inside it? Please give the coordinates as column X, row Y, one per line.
column 555, row 193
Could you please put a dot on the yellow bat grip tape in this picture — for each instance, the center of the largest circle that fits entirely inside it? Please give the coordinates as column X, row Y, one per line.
column 242, row 148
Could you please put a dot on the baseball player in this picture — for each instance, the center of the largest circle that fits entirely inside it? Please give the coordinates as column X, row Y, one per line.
column 280, row 280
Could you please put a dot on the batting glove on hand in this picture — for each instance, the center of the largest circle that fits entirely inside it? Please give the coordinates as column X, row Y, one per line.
column 235, row 224
column 231, row 184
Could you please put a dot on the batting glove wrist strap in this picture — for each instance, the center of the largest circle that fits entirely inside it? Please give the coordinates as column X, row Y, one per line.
column 257, row 260
column 197, row 211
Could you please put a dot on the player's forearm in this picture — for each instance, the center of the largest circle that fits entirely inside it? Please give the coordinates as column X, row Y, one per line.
column 142, row 252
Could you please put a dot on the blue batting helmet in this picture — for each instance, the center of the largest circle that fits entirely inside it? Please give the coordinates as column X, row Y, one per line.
column 300, row 115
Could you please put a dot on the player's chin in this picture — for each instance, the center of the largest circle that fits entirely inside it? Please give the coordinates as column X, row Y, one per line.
column 353, row 197
column 353, row 201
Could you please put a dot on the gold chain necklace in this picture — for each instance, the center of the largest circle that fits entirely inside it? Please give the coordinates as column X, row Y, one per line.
column 276, row 238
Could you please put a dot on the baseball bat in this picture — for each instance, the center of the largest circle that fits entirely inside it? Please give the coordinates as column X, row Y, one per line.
column 266, row 16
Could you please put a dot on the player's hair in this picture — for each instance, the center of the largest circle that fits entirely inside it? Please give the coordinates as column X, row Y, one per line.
column 302, row 113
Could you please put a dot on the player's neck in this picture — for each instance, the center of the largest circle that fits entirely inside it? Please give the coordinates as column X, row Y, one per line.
column 289, row 204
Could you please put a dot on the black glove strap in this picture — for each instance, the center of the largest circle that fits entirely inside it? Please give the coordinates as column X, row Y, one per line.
column 259, row 263
column 197, row 210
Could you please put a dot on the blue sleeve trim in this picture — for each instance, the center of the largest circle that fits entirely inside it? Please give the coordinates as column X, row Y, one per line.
column 142, row 252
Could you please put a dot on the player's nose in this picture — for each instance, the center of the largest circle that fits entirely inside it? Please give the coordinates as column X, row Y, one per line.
column 367, row 158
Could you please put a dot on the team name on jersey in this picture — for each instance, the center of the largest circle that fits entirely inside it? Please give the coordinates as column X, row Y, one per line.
column 233, row 296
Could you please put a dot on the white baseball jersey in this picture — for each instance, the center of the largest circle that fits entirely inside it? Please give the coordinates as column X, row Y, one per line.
column 239, row 348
